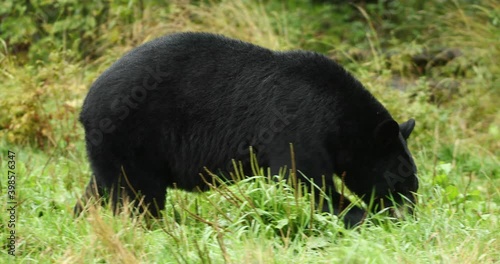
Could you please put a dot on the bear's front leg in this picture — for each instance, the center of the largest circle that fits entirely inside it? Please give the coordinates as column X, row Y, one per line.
column 312, row 170
column 351, row 215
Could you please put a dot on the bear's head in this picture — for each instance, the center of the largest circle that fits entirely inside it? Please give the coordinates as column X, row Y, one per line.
column 379, row 167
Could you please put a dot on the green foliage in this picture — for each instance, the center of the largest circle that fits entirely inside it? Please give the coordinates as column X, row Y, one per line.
column 38, row 103
column 34, row 28
column 435, row 61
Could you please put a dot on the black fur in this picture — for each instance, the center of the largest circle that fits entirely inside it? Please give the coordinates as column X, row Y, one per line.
column 188, row 100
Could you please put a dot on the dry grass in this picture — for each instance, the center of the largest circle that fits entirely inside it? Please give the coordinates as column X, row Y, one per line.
column 456, row 146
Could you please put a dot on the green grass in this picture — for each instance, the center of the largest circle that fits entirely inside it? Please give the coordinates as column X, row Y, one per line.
column 456, row 144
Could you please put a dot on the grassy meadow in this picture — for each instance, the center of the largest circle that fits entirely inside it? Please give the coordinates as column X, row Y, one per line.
column 434, row 61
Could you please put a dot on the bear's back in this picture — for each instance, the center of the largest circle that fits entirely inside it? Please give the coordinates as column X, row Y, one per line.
column 200, row 91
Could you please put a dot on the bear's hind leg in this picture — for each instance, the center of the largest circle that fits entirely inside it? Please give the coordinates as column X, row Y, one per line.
column 146, row 188
column 89, row 193
column 99, row 186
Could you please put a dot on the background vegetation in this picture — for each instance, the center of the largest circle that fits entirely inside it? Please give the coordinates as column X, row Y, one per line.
column 435, row 61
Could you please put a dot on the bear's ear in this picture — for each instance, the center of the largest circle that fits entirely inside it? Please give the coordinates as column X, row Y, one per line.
column 406, row 128
column 386, row 132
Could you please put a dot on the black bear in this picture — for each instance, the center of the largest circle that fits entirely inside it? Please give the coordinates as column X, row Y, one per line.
column 186, row 101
